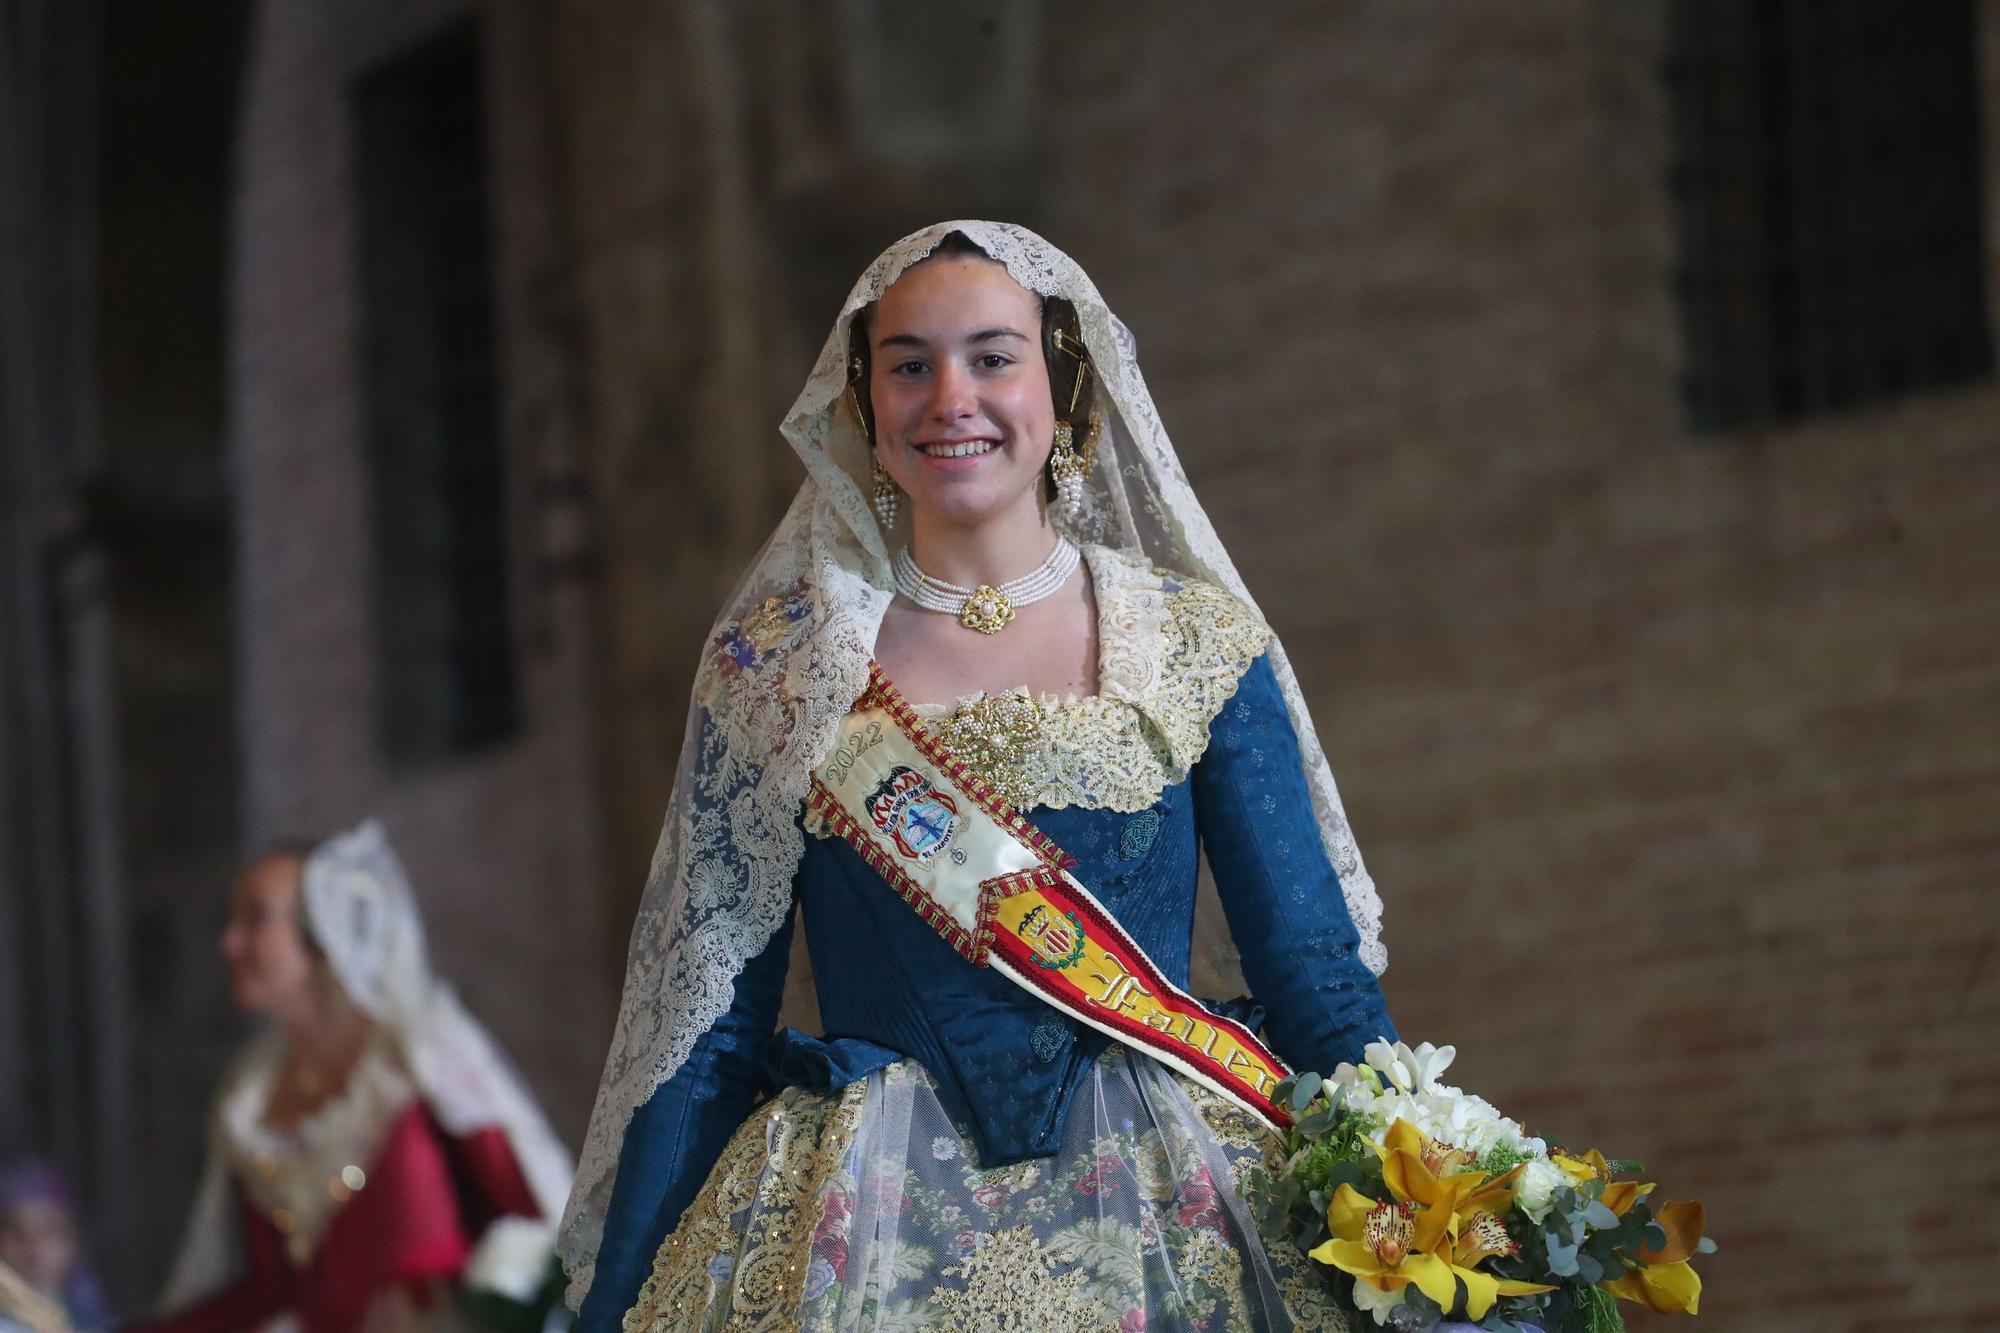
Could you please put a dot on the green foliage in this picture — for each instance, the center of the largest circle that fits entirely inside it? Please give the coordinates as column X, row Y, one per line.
column 1502, row 1158
column 1591, row 1310
column 1313, row 1166
column 1327, row 1147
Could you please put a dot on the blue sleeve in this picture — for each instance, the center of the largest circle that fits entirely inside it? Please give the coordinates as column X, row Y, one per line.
column 1282, row 896
column 674, row 1139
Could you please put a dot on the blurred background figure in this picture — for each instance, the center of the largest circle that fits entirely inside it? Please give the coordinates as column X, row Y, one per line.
column 375, row 1160
column 42, row 1269
column 1604, row 392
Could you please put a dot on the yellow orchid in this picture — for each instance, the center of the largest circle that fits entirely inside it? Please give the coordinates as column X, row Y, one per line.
column 1387, row 1244
column 1439, row 1225
column 1663, row 1280
column 1452, row 1184
column 1618, row 1195
column 1667, row 1288
column 1484, row 1236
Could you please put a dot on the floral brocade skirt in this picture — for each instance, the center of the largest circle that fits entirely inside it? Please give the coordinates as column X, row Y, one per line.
column 865, row 1209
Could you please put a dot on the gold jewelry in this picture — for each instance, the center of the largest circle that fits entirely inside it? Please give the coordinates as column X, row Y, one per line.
column 986, row 608
column 854, row 369
column 1073, row 348
column 1069, row 465
column 886, row 496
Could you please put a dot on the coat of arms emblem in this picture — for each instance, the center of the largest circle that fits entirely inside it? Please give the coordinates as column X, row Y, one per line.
column 918, row 817
column 1056, row 940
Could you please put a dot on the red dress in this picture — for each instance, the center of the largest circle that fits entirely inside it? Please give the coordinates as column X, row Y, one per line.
column 422, row 1206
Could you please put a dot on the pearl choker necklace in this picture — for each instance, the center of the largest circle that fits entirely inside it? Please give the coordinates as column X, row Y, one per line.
column 986, row 608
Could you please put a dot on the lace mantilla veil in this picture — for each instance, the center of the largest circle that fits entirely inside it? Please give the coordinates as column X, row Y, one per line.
column 790, row 655
column 362, row 914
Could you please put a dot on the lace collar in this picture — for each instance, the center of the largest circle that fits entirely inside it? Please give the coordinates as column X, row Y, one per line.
column 1170, row 651
column 300, row 1177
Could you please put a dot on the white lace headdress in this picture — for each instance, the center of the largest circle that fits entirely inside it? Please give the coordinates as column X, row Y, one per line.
column 362, row 914
column 360, row 911
column 790, row 655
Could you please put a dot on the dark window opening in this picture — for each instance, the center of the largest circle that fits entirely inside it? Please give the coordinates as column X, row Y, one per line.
column 1828, row 184
column 447, row 665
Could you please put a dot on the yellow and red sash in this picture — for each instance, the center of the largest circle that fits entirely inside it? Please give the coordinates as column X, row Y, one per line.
column 1000, row 893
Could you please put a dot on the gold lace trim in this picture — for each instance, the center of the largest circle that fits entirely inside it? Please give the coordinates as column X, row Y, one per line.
column 797, row 1145
column 1170, row 654
column 792, row 1145
column 300, row 1178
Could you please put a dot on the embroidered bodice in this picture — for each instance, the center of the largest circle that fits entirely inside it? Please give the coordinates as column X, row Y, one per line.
column 300, row 1177
column 1170, row 652
column 1186, row 746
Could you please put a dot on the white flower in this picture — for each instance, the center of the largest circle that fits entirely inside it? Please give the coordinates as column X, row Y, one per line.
column 1536, row 1189
column 1371, row 1299
column 1410, row 1070
column 943, row 1149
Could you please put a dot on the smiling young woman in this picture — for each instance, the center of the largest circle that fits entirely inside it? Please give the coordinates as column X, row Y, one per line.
column 989, row 688
column 964, row 420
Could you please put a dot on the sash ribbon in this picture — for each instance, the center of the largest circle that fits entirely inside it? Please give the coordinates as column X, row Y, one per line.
column 1001, row 894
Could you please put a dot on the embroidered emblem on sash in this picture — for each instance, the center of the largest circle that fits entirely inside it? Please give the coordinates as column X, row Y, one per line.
column 918, row 817
column 1003, row 897
column 1056, row 940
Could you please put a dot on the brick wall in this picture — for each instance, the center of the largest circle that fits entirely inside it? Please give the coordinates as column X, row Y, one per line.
column 502, row 846
column 1676, row 759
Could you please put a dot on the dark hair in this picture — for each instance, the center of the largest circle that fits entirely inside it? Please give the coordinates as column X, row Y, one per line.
column 1070, row 371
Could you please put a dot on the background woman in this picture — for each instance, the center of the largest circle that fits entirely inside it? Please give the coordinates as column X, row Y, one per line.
column 374, row 1160
column 995, row 531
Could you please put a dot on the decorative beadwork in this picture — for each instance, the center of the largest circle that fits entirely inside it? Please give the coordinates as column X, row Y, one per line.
column 1170, row 655
column 781, row 1160
column 995, row 735
column 781, row 1236
column 986, row 608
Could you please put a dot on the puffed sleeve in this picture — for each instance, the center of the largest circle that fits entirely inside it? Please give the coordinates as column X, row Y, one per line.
column 674, row 1139
column 1282, row 897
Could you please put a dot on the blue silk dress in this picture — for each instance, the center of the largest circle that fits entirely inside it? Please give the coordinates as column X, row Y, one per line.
column 948, row 1122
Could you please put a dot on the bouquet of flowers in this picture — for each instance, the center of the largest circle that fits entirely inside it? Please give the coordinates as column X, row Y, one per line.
column 1440, row 1208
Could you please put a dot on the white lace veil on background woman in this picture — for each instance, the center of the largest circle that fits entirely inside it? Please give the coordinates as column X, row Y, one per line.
column 360, row 912
column 768, row 697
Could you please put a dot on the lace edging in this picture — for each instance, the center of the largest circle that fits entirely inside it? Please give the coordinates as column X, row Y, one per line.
column 296, row 1177
column 1171, row 653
